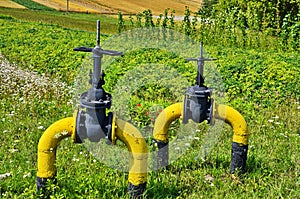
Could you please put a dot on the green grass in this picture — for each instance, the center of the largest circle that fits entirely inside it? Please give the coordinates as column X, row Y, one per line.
column 272, row 167
column 30, row 102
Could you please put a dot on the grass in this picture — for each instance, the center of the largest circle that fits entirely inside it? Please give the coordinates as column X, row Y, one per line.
column 29, row 103
column 273, row 166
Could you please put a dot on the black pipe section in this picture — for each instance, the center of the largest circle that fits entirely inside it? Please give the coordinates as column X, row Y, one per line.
column 162, row 158
column 136, row 191
column 238, row 158
column 40, row 183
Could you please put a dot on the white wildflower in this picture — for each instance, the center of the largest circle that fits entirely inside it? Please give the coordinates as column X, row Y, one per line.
column 187, row 144
column 13, row 150
column 27, row 175
column 270, row 121
column 4, row 175
column 208, row 178
column 27, row 83
column 57, row 135
column 64, row 132
column 283, row 135
column 40, row 127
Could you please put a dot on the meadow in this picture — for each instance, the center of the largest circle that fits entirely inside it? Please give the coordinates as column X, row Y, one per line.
column 37, row 73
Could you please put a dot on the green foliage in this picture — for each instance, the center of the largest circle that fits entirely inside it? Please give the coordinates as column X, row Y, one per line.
column 186, row 23
column 154, row 88
column 148, row 18
column 166, row 19
column 44, row 48
column 262, row 85
column 258, row 79
column 236, row 23
column 266, row 16
column 33, row 5
column 120, row 22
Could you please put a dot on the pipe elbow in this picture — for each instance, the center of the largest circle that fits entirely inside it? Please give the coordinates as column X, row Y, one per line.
column 236, row 121
column 240, row 136
column 48, row 143
column 164, row 119
column 138, row 148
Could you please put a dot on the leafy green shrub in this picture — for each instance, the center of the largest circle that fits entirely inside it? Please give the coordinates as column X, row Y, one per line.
column 259, row 79
column 147, row 68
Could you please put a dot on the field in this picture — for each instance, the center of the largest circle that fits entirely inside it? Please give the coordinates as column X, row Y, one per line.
column 112, row 7
column 125, row 6
column 10, row 4
column 38, row 68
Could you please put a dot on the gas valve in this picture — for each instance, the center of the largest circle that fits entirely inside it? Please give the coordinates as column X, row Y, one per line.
column 198, row 104
column 92, row 120
column 198, row 101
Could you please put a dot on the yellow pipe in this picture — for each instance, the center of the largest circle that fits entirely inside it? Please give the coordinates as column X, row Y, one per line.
column 48, row 144
column 235, row 120
column 136, row 144
column 223, row 112
column 124, row 131
column 164, row 119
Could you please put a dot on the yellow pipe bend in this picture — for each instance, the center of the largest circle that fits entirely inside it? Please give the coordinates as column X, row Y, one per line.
column 136, row 144
column 162, row 122
column 48, row 143
column 235, row 120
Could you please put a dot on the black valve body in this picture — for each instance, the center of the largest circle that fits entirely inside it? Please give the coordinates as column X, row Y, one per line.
column 197, row 104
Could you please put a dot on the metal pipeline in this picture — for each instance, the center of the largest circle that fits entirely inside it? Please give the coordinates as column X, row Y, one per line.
column 122, row 130
column 164, row 120
column 240, row 136
column 160, row 133
column 138, row 148
column 47, row 149
column 223, row 112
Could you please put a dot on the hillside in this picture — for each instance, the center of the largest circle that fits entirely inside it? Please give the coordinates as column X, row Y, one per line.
column 10, row 4
column 125, row 6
